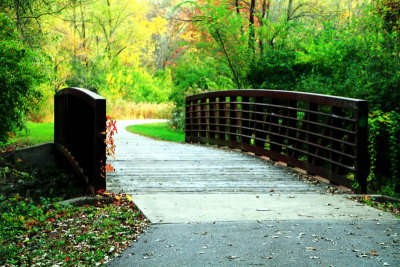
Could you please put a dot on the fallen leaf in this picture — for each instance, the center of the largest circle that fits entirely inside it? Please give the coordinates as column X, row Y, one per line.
column 311, row 249
column 374, row 253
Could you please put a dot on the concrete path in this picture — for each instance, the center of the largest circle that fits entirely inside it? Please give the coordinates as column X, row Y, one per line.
column 251, row 213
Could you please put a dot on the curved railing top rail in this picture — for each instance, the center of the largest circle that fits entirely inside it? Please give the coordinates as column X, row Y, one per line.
column 337, row 101
column 325, row 135
column 83, row 94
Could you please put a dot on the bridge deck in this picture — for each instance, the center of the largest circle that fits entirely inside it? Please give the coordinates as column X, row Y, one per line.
column 144, row 165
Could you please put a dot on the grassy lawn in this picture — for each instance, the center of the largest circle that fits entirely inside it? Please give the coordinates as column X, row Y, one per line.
column 158, row 130
column 34, row 134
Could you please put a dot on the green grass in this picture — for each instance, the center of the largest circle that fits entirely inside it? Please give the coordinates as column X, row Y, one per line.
column 158, row 130
column 34, row 134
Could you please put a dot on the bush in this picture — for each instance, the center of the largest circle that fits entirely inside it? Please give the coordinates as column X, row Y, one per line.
column 384, row 149
column 177, row 120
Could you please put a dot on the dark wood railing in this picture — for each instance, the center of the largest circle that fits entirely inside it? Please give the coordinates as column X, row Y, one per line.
column 79, row 133
column 324, row 135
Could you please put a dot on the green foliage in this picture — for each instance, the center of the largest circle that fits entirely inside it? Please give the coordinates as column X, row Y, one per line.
column 158, row 131
column 20, row 73
column 379, row 203
column 137, row 85
column 352, row 58
column 276, row 70
column 350, row 55
column 390, row 11
column 177, row 120
column 86, row 75
column 193, row 75
column 356, row 59
column 230, row 45
column 384, row 149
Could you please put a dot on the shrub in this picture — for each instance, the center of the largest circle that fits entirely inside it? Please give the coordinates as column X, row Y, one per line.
column 384, row 149
column 177, row 120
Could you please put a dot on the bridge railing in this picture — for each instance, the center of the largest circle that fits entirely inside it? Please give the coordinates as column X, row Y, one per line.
column 79, row 133
column 324, row 135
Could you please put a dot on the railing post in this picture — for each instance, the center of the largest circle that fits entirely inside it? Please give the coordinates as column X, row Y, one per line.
column 99, row 157
column 362, row 162
column 189, row 120
column 79, row 133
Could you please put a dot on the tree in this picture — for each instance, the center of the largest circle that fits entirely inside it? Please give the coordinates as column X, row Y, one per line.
column 28, row 15
column 19, row 75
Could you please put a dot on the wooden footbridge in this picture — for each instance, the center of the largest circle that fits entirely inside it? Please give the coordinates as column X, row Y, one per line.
column 323, row 135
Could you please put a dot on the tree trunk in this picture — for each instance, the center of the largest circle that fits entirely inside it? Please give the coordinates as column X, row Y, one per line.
column 252, row 36
column 237, row 7
column 289, row 11
column 265, row 5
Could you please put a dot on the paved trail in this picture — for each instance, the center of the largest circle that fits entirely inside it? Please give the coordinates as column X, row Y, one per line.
column 216, row 207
